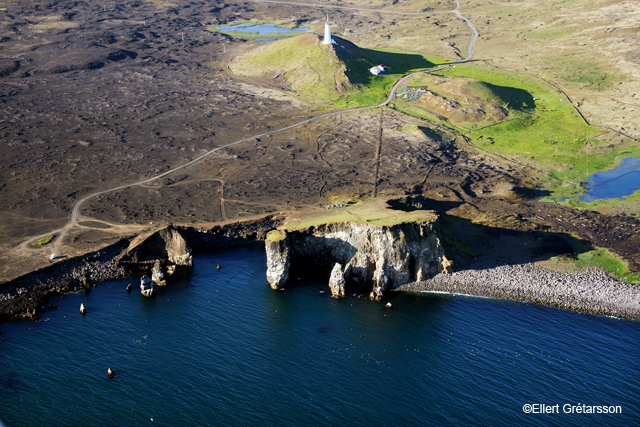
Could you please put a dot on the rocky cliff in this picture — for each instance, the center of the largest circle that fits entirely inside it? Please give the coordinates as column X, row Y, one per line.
column 164, row 251
column 360, row 257
column 166, row 244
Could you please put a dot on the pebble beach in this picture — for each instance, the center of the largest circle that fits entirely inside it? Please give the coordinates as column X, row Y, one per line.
column 587, row 290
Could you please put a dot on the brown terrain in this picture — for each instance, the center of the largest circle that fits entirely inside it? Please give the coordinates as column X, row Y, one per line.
column 95, row 98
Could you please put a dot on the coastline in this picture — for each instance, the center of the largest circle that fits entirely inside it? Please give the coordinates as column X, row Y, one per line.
column 588, row 290
column 25, row 297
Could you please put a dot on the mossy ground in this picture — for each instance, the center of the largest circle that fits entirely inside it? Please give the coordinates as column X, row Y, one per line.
column 276, row 235
column 375, row 212
column 44, row 241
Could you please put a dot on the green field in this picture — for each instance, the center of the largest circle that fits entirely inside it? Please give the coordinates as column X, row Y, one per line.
column 542, row 129
column 535, row 123
column 370, row 89
column 314, row 70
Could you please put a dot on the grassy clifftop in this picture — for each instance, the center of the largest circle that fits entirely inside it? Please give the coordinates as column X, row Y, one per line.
column 302, row 63
column 337, row 74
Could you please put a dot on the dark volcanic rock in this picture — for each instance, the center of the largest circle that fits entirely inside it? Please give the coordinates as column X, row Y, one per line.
column 8, row 67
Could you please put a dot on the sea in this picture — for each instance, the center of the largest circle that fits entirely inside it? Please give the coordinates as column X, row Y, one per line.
column 220, row 348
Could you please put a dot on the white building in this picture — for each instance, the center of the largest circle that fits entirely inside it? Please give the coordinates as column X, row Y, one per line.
column 327, row 33
column 378, row 69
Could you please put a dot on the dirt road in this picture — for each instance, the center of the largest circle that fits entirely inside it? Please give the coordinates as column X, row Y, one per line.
column 62, row 232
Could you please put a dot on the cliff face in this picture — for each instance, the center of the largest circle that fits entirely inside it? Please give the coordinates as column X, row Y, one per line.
column 376, row 258
column 166, row 244
column 278, row 262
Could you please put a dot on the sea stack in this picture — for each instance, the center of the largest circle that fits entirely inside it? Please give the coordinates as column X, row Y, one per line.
column 147, row 287
column 157, row 275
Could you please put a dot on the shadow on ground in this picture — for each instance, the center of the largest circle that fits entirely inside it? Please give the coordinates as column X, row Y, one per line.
column 469, row 243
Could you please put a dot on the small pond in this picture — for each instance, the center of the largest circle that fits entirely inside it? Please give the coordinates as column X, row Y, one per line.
column 261, row 29
column 615, row 183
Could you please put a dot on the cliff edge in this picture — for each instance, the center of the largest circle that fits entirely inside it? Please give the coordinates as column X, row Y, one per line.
column 370, row 258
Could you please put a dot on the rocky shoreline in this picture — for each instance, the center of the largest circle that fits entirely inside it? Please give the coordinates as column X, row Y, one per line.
column 586, row 290
column 27, row 296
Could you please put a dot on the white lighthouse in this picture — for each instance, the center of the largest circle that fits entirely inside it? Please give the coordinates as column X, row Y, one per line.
column 327, row 33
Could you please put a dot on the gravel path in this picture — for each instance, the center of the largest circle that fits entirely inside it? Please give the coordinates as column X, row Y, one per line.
column 589, row 290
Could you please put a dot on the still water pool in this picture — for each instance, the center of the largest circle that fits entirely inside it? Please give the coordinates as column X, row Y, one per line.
column 223, row 349
column 616, row 183
column 261, row 29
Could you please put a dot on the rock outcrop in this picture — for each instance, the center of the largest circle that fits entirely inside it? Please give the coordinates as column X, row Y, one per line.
column 147, row 287
column 278, row 262
column 375, row 258
column 160, row 253
column 157, row 275
column 337, row 282
column 166, row 244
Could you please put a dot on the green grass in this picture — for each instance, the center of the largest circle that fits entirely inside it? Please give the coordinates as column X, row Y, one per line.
column 375, row 212
column 306, row 65
column 374, row 92
column 44, row 241
column 605, row 260
column 547, row 131
column 311, row 68
column 587, row 73
column 276, row 235
column 370, row 89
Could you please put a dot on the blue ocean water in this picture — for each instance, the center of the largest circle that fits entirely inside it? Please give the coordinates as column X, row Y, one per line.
column 261, row 29
column 224, row 349
column 616, row 183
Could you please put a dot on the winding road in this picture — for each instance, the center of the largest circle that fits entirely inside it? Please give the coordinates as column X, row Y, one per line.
column 75, row 211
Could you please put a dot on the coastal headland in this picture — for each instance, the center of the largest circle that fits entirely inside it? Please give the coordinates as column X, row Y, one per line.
column 381, row 246
column 122, row 119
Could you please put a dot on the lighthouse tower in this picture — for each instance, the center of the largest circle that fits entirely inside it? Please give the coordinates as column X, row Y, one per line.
column 327, row 33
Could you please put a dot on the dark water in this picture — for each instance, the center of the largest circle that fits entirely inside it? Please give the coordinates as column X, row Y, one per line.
column 616, row 183
column 261, row 29
column 224, row 349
